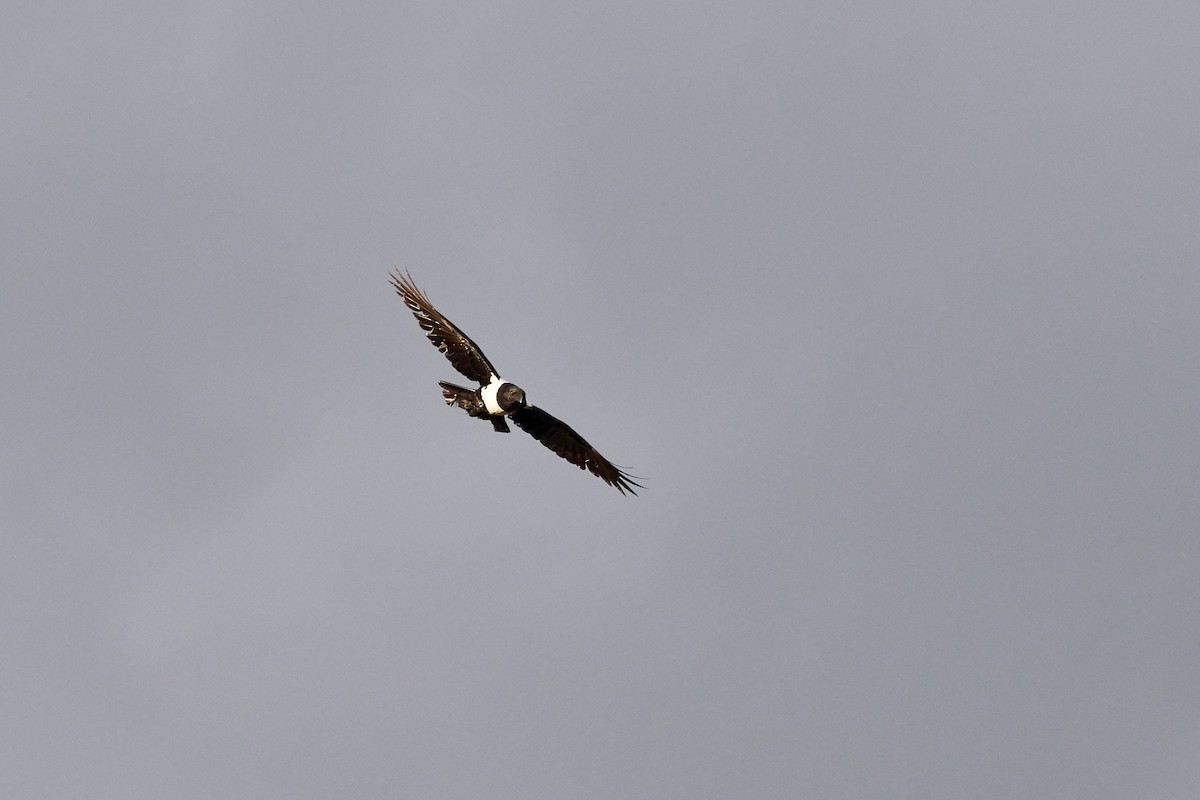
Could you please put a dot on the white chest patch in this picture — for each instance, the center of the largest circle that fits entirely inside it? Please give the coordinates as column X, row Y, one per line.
column 489, row 396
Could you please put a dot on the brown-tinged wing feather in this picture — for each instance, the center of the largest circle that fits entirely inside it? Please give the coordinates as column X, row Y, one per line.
column 563, row 440
column 464, row 354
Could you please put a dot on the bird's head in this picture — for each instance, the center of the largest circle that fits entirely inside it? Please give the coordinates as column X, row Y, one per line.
column 510, row 397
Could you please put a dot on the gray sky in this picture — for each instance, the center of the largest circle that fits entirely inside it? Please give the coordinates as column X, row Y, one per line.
column 894, row 308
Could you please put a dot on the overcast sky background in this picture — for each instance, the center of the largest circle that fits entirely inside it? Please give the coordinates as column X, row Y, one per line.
column 896, row 308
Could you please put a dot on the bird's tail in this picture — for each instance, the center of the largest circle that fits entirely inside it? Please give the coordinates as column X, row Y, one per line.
column 466, row 399
column 470, row 401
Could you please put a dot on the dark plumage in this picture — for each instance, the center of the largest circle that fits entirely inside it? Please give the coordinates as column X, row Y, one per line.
column 464, row 354
column 496, row 398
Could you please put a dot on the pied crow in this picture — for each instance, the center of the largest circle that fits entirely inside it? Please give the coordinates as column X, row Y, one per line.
column 496, row 398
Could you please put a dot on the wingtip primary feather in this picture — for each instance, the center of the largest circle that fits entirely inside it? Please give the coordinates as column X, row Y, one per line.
column 624, row 482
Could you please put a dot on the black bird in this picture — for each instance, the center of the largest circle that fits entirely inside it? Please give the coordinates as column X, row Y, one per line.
column 496, row 398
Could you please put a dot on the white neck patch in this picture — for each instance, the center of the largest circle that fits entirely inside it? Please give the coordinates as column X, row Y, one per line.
column 489, row 396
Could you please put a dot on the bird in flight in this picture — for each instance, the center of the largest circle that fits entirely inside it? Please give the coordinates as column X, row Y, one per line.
column 496, row 398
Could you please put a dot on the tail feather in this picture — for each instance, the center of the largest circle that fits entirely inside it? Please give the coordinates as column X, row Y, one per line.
column 470, row 401
column 466, row 399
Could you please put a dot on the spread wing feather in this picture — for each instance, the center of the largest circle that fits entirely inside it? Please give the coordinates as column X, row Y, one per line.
column 464, row 354
column 563, row 440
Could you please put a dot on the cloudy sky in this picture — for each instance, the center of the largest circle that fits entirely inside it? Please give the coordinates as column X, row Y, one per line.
column 893, row 306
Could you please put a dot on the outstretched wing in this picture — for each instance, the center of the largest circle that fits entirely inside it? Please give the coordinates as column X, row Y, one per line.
column 463, row 353
column 562, row 439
